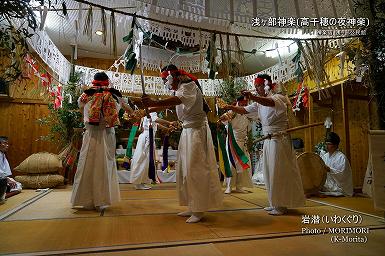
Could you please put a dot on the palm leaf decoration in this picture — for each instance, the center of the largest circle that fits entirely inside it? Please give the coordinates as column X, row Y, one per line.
column 130, row 55
column 210, row 57
column 299, row 67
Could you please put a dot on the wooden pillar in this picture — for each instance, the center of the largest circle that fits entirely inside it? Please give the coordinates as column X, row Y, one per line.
column 345, row 121
column 309, row 133
column 311, row 120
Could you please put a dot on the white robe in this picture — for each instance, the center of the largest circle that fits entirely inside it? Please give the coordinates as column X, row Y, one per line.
column 241, row 178
column 339, row 180
column 282, row 177
column 96, row 180
column 5, row 171
column 198, row 184
column 141, row 158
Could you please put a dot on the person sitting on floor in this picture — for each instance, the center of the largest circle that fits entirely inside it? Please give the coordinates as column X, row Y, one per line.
column 339, row 180
column 7, row 183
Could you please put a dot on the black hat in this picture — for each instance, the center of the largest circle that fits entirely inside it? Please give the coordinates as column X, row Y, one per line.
column 100, row 76
column 332, row 138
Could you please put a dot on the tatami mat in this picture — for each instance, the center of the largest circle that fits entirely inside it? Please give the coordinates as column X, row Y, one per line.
column 45, row 235
column 147, row 194
column 192, row 250
column 147, row 219
column 54, row 205
column 305, row 245
column 288, row 246
column 17, row 200
column 362, row 204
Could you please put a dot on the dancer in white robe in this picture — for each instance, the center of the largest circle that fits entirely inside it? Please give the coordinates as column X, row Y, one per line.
column 198, row 184
column 96, row 182
column 282, row 177
column 339, row 181
column 141, row 158
column 241, row 126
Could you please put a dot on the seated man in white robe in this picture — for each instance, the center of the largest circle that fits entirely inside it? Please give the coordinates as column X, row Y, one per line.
column 7, row 183
column 339, row 180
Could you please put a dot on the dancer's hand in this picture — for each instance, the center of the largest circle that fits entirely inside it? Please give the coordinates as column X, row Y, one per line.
column 11, row 183
column 175, row 125
column 247, row 93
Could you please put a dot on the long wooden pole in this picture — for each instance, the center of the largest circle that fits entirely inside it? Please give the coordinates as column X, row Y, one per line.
column 288, row 130
column 345, row 120
column 142, row 80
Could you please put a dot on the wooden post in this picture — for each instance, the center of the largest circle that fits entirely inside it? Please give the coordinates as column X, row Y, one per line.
column 345, row 121
column 309, row 133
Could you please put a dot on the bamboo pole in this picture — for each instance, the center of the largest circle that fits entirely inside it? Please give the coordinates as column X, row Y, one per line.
column 288, row 130
column 345, row 121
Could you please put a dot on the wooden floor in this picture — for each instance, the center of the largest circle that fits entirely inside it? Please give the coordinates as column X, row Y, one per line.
column 145, row 223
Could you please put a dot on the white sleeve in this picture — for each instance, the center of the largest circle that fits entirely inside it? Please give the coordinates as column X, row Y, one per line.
column 80, row 104
column 187, row 93
column 338, row 165
column 154, row 116
column 280, row 104
column 252, row 108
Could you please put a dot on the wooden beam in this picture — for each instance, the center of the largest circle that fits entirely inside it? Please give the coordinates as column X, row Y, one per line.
column 345, row 121
column 351, row 7
column 255, row 13
column 28, row 101
column 297, row 10
column 231, row 12
column 275, row 3
column 207, row 8
column 334, row 9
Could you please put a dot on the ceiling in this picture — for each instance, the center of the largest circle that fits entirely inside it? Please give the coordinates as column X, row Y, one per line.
column 212, row 14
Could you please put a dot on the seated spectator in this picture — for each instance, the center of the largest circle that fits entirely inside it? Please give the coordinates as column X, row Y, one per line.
column 7, row 183
column 339, row 180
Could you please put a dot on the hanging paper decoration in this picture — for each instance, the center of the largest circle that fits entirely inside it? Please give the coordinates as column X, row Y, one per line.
column 235, row 150
column 240, row 56
column 130, row 55
column 104, row 26
column 225, row 65
column 113, row 34
column 210, row 57
column 298, row 66
column 43, row 16
column 64, row 7
column 46, row 81
column 315, row 55
column 224, row 164
column 57, row 95
column 89, row 21
column 302, row 96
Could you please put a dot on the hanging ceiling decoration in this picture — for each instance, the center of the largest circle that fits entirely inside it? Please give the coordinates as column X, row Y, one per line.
column 174, row 21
